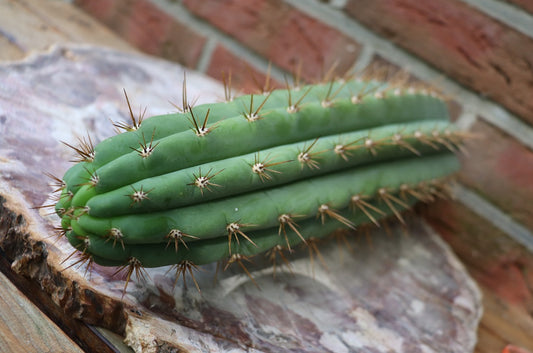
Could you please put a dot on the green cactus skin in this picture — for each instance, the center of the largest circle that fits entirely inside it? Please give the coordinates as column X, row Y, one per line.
column 262, row 172
column 421, row 107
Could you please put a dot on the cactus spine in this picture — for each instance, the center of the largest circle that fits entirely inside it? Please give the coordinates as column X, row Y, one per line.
column 229, row 180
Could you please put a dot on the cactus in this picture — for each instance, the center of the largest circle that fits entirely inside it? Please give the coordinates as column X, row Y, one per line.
column 255, row 174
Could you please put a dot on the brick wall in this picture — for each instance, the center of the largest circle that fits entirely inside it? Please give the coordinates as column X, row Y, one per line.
column 480, row 52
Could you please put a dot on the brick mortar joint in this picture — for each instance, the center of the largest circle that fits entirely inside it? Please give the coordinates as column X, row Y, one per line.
column 490, row 111
column 493, row 215
column 180, row 13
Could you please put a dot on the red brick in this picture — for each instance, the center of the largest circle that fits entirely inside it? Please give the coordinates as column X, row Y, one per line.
column 149, row 28
column 475, row 49
column 145, row 26
column 244, row 77
column 100, row 9
column 380, row 64
column 281, row 34
column 500, row 169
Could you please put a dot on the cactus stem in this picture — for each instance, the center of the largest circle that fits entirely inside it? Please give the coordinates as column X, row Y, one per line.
column 305, row 157
column 371, row 145
column 53, row 198
column 343, row 149
column 182, row 269
column 330, row 74
column 442, row 140
column 406, row 190
column 359, row 202
column 176, row 236
column 135, row 122
column 288, row 220
column 68, row 196
column 382, row 94
column 390, row 200
column 60, row 232
column 73, row 253
column 138, row 195
column 252, row 115
column 84, row 210
column 262, row 168
column 84, row 259
column 330, row 96
column 185, row 105
column 312, row 244
column 440, row 190
column 80, row 248
column 424, row 139
column 297, row 76
column 61, row 211
column 133, row 266
column 227, row 86
column 69, row 213
column 56, row 183
column 294, row 107
column 234, row 230
column 324, row 210
column 204, row 181
column 454, row 139
column 85, row 150
column 273, row 254
column 200, row 130
column 266, row 87
column 117, row 236
column 340, row 149
column 146, row 149
column 92, row 179
column 398, row 139
column 358, row 98
column 238, row 258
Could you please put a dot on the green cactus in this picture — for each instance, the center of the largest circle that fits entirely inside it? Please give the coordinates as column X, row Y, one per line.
column 262, row 172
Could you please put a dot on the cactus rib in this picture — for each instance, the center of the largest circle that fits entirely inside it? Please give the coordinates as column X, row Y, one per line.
column 257, row 174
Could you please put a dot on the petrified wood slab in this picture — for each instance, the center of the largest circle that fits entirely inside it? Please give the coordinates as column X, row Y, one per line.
column 403, row 291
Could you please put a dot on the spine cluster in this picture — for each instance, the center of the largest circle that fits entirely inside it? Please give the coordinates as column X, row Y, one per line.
column 255, row 174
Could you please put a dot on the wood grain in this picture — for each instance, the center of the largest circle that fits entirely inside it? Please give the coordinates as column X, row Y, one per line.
column 24, row 328
column 27, row 27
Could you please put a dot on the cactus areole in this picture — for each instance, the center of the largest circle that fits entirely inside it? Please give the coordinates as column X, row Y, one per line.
column 255, row 174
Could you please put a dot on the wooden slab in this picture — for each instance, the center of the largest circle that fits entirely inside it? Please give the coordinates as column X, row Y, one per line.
column 24, row 328
column 27, row 25
column 401, row 293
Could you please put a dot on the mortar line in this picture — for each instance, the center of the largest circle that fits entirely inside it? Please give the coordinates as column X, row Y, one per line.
column 509, row 15
column 364, row 59
column 466, row 120
column 206, row 55
column 489, row 111
column 494, row 216
column 182, row 14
